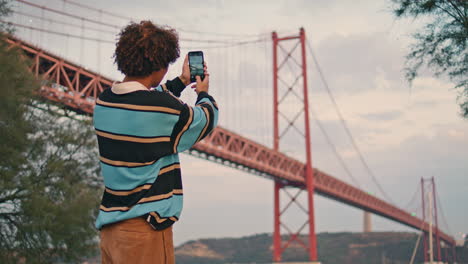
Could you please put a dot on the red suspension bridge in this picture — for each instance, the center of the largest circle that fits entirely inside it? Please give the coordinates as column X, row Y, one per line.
column 76, row 88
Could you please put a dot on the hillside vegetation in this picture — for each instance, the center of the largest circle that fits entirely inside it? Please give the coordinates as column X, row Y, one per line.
column 371, row 248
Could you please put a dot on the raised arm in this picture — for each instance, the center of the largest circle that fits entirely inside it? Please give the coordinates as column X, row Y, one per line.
column 196, row 122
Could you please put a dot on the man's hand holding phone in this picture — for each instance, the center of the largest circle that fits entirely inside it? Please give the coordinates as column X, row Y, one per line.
column 202, row 85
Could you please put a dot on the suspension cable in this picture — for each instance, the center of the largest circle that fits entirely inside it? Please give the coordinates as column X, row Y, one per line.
column 413, row 198
column 57, row 33
column 97, row 10
column 347, row 130
column 120, row 16
column 333, row 147
column 444, row 219
column 213, row 41
column 67, row 14
column 63, row 22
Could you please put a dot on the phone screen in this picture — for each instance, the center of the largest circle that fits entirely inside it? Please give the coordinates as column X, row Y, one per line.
column 196, row 64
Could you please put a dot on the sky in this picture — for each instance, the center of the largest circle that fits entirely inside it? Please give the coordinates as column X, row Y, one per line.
column 404, row 132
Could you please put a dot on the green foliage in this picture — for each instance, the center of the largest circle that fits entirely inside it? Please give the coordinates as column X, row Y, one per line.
column 442, row 44
column 462, row 254
column 48, row 173
column 5, row 10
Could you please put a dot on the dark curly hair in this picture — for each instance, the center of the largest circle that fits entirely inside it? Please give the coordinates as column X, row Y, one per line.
column 145, row 48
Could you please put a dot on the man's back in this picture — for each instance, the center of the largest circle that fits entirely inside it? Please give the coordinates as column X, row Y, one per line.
column 140, row 133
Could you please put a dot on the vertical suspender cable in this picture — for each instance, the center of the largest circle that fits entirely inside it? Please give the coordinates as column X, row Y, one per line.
column 30, row 33
column 99, row 45
column 236, row 95
column 82, row 42
column 66, row 38
column 257, row 98
column 41, row 38
column 229, row 90
column 268, row 91
column 243, row 84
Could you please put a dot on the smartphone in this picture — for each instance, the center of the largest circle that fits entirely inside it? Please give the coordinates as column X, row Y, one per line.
column 196, row 63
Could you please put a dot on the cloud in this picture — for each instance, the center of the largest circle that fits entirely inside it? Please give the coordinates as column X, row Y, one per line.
column 383, row 116
column 359, row 62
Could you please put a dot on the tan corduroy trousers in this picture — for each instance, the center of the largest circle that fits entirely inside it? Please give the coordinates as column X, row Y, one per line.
column 134, row 241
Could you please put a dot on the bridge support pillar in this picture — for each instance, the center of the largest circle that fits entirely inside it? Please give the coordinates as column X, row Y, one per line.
column 367, row 222
column 288, row 90
column 277, row 222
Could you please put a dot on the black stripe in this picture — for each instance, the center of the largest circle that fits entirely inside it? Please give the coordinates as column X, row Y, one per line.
column 165, row 183
column 142, row 97
column 160, row 226
column 132, row 151
column 130, row 207
column 126, row 135
column 127, row 190
column 143, row 165
column 137, row 110
column 211, row 123
column 108, row 201
column 206, row 95
column 176, row 86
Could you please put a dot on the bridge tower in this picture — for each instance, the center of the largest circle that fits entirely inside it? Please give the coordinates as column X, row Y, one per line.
column 287, row 46
column 429, row 204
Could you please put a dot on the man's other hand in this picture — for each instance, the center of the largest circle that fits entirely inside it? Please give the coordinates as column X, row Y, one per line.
column 185, row 76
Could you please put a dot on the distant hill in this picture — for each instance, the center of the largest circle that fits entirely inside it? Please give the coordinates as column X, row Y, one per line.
column 342, row 248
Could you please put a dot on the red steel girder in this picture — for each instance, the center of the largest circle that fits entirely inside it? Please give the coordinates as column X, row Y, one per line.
column 67, row 83
column 78, row 88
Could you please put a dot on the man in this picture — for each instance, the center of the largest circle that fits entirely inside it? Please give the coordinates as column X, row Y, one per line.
column 140, row 132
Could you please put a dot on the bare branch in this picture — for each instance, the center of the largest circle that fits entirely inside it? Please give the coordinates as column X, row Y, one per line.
column 450, row 14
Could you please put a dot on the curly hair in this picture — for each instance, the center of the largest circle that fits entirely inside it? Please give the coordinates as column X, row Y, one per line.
column 145, row 48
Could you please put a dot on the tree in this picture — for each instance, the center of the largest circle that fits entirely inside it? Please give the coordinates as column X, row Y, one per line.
column 442, row 43
column 4, row 11
column 48, row 172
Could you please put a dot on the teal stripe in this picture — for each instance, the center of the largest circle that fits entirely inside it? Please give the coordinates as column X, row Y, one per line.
column 123, row 178
column 190, row 136
column 216, row 115
column 159, row 88
column 165, row 208
column 135, row 123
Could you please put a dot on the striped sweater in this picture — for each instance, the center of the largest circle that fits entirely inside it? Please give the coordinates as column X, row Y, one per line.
column 140, row 133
